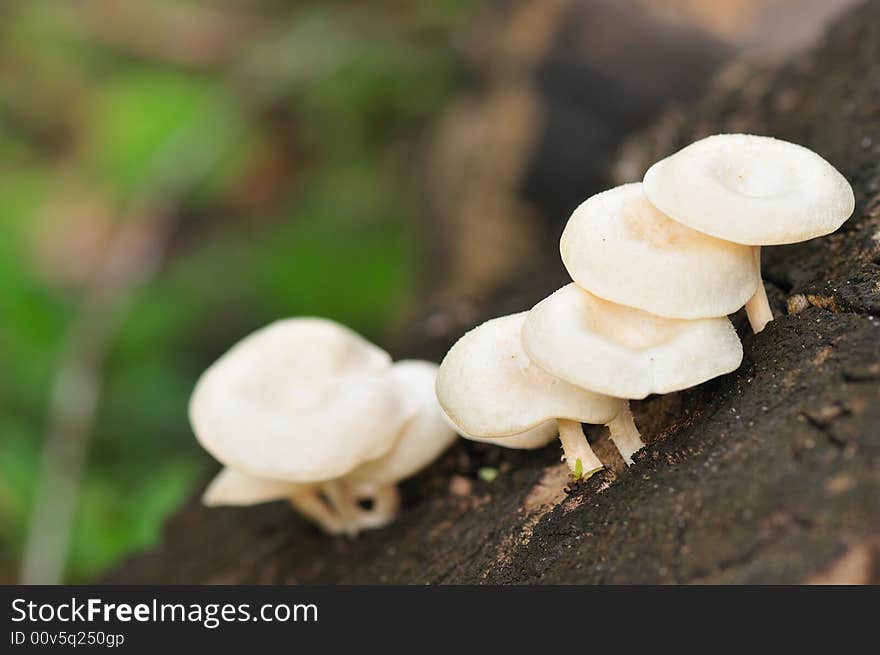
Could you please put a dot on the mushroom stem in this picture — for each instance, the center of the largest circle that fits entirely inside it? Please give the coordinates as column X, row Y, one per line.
column 758, row 307
column 625, row 434
column 307, row 502
column 386, row 504
column 577, row 452
column 344, row 504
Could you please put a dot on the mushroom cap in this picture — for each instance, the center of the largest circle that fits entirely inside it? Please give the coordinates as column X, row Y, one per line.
column 622, row 351
column 618, row 246
column 422, row 439
column 532, row 439
column 231, row 487
column 489, row 387
column 301, row 400
column 751, row 189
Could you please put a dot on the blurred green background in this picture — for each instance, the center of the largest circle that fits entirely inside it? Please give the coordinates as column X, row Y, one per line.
column 185, row 172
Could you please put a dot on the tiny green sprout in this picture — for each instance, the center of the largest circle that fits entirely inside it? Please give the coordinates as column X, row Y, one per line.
column 578, row 472
column 487, row 474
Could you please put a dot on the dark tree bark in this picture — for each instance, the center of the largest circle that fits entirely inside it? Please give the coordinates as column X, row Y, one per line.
column 770, row 474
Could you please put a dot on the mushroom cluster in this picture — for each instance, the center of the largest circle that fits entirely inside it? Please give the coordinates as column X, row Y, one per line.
column 308, row 411
column 657, row 267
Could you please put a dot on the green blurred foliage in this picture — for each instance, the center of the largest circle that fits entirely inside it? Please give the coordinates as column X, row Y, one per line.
column 283, row 161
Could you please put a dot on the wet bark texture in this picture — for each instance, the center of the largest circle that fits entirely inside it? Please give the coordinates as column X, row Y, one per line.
column 770, row 474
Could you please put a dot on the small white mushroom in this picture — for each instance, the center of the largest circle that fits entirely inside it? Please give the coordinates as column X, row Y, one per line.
column 307, row 410
column 752, row 190
column 625, row 352
column 490, row 388
column 619, row 247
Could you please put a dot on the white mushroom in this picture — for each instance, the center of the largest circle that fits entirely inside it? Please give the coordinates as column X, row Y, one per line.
column 752, row 190
column 490, row 388
column 296, row 409
column 423, row 439
column 619, row 247
column 302, row 400
column 625, row 352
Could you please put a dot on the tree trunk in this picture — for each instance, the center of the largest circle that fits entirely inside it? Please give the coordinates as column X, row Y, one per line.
column 770, row 474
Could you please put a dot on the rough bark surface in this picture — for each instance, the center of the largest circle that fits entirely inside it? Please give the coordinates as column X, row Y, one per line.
column 770, row 474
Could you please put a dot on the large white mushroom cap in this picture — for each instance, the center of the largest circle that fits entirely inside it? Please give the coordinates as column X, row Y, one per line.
column 618, row 246
column 422, row 439
column 301, row 400
column 490, row 388
column 749, row 189
column 622, row 351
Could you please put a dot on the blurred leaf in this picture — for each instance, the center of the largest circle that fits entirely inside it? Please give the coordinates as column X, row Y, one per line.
column 33, row 317
column 142, row 115
column 18, row 465
column 117, row 518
